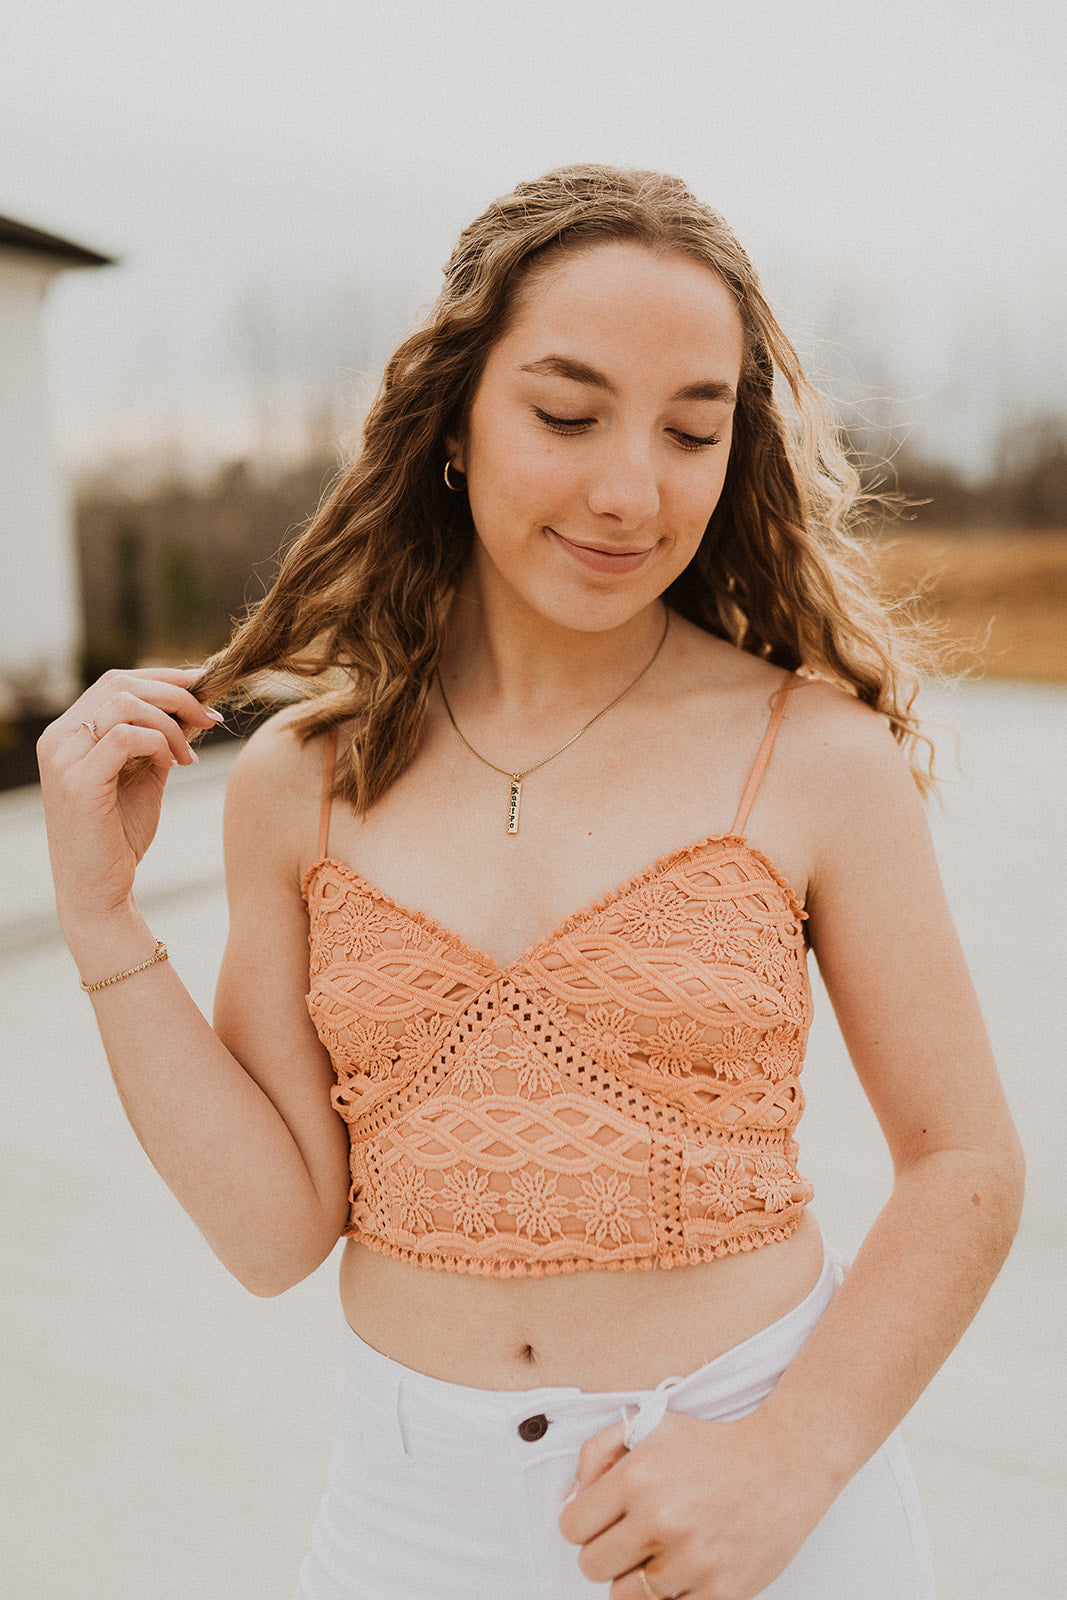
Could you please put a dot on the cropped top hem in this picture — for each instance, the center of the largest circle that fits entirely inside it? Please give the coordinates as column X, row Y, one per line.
column 623, row 1094
column 517, row 1267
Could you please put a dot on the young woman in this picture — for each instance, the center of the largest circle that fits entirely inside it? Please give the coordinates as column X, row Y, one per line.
column 562, row 820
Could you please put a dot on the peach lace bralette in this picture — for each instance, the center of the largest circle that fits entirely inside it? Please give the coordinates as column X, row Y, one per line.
column 625, row 1094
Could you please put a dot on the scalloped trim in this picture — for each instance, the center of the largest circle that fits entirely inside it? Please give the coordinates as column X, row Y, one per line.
column 421, row 919
column 487, row 1268
column 629, row 886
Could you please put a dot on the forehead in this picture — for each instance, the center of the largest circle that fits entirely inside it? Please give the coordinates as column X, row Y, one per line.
column 625, row 302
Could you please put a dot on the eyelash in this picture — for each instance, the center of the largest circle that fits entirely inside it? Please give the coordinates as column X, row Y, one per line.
column 569, row 426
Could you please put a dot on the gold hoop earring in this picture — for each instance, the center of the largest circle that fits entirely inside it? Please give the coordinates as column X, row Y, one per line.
column 455, row 487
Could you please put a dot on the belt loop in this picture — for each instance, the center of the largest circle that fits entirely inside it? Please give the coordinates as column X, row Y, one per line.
column 647, row 1414
column 402, row 1432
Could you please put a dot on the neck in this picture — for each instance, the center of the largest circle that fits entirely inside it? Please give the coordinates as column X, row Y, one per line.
column 503, row 659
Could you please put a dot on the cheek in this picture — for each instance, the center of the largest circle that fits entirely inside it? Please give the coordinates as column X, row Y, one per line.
column 521, row 486
column 694, row 502
column 711, row 489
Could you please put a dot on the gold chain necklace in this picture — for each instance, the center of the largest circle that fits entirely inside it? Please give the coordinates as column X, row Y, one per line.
column 515, row 778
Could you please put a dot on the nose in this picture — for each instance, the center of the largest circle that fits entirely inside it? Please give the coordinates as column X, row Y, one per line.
column 624, row 485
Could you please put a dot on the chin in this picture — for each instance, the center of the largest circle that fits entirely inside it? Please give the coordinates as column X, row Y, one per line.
column 585, row 612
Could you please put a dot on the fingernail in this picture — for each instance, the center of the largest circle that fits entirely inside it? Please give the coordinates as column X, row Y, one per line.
column 569, row 1496
column 217, row 716
column 194, row 755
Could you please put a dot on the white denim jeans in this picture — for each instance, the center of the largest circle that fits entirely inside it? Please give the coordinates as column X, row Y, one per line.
column 441, row 1492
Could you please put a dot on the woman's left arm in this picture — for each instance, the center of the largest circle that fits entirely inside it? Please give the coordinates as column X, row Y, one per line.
column 894, row 970
column 721, row 1508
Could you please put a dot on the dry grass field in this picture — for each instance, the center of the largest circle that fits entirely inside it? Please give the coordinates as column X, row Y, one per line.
column 1000, row 594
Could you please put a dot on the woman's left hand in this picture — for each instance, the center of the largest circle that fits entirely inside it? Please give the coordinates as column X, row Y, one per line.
column 709, row 1510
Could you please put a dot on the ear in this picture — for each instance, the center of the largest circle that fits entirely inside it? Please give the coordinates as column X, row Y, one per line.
column 454, row 446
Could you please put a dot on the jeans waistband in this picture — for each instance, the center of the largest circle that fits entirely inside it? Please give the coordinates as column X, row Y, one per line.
column 729, row 1386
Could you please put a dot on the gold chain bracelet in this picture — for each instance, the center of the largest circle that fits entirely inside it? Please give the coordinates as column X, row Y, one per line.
column 160, row 955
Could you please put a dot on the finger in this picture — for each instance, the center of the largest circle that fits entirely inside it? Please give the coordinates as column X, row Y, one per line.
column 597, row 1456
column 156, row 687
column 162, row 687
column 119, row 697
column 122, row 743
column 593, row 1508
column 655, row 1581
column 173, row 697
column 180, row 675
column 591, row 1513
column 600, row 1453
column 127, row 707
column 616, row 1551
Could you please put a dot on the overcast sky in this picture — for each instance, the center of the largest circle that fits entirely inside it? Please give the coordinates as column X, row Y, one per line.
column 282, row 183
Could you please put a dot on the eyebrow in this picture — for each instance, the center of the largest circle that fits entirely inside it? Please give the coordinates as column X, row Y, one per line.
column 580, row 372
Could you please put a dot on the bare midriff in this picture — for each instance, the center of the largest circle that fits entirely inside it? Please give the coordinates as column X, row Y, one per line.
column 592, row 1330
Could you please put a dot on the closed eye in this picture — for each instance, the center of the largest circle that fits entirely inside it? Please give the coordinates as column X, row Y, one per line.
column 694, row 441
column 563, row 424
column 575, row 425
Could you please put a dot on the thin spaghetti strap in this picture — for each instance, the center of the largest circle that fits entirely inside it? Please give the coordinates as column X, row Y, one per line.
column 763, row 754
column 329, row 756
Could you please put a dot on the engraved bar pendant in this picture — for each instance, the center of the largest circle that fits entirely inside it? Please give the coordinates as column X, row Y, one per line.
column 514, row 796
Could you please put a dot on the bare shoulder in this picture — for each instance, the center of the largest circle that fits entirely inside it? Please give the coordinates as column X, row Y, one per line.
column 836, row 737
column 272, row 796
column 826, row 730
column 851, row 782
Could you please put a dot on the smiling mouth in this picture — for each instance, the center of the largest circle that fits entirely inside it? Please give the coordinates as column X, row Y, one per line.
column 604, row 557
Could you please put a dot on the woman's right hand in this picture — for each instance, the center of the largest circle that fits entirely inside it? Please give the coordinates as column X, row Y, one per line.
column 100, row 822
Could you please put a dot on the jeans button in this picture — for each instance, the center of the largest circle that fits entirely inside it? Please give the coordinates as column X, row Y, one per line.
column 533, row 1428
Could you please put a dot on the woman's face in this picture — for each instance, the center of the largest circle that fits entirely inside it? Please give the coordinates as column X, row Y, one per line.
column 598, row 437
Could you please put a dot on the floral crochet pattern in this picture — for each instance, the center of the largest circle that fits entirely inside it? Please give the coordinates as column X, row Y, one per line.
column 538, row 1209
column 412, row 1200
column 607, row 1208
column 418, row 1041
column 725, row 1191
column 734, row 1053
column 772, row 1183
column 715, row 931
column 610, row 1034
column 625, row 1093
column 474, row 1071
column 654, row 914
column 677, row 1048
column 472, row 1202
column 374, row 1048
column 535, row 1075
column 356, row 933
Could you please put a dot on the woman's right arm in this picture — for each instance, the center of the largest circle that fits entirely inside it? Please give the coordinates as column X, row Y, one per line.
column 237, row 1119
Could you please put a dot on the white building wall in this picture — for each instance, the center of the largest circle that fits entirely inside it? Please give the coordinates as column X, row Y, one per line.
column 39, row 621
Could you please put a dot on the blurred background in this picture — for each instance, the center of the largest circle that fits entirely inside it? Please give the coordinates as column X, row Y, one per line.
column 220, row 220
column 216, row 219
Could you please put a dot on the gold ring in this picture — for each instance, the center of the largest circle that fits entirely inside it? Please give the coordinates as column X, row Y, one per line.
column 649, row 1591
column 91, row 725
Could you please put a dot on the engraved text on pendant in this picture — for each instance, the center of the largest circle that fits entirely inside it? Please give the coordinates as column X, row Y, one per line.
column 514, row 795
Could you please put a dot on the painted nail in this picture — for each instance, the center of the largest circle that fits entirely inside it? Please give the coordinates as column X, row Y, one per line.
column 217, row 716
column 194, row 755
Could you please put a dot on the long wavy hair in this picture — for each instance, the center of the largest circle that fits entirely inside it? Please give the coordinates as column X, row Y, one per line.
column 360, row 601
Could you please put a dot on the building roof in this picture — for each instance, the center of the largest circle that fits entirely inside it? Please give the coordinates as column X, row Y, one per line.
column 33, row 241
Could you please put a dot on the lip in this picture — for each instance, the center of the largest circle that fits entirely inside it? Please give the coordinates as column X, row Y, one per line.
column 603, row 558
